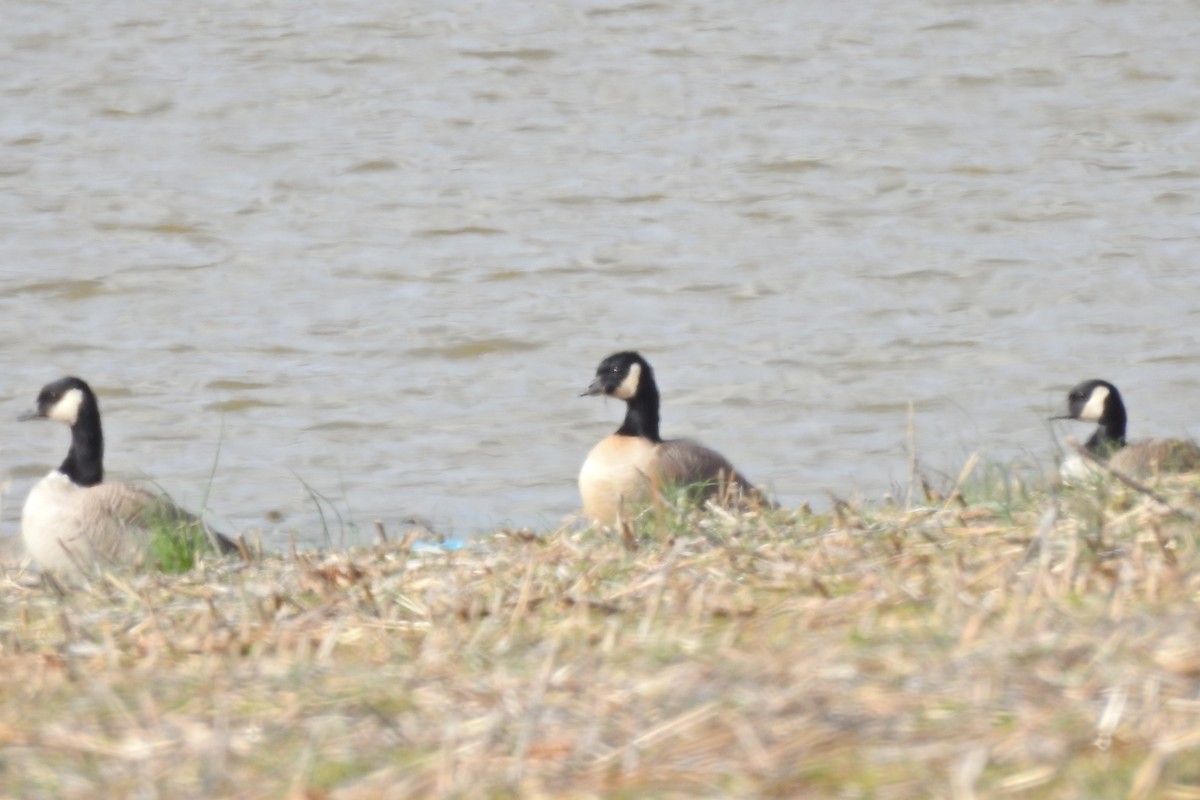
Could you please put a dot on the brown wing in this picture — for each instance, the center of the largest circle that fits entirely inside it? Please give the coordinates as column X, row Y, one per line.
column 122, row 511
column 105, row 519
column 118, row 501
column 684, row 463
column 1155, row 456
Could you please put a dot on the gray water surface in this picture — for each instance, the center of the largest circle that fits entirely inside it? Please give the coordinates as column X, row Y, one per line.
column 378, row 249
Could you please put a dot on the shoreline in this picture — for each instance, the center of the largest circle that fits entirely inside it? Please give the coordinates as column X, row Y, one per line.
column 1034, row 642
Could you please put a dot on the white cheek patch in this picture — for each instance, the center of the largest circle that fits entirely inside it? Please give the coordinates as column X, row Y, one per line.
column 1094, row 409
column 67, row 408
column 629, row 386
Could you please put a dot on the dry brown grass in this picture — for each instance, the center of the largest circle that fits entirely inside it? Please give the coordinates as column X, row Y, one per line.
column 1047, row 646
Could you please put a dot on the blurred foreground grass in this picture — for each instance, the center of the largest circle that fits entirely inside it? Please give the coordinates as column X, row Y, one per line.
column 1014, row 644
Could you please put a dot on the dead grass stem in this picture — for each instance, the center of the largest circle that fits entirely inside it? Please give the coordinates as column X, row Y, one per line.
column 1047, row 647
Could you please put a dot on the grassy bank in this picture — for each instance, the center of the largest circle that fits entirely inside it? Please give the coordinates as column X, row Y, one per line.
column 1015, row 644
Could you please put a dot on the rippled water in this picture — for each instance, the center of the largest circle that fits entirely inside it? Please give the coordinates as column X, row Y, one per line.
column 378, row 251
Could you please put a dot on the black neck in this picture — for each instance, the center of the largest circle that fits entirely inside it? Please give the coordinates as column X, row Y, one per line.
column 1110, row 435
column 641, row 411
column 84, row 463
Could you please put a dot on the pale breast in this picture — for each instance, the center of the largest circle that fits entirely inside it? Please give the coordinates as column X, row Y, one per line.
column 1077, row 469
column 615, row 478
column 67, row 527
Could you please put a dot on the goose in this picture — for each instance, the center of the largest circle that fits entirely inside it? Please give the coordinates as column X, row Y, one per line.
column 630, row 466
column 1099, row 401
column 72, row 520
